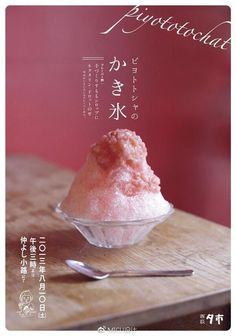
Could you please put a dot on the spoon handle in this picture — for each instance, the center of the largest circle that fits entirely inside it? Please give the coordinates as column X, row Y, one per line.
column 137, row 273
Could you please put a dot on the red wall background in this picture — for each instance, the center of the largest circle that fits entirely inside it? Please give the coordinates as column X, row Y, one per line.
column 184, row 95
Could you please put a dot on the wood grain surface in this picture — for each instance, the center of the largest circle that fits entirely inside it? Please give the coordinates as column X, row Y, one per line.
column 73, row 301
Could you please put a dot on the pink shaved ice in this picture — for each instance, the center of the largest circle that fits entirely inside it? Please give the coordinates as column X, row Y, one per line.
column 115, row 182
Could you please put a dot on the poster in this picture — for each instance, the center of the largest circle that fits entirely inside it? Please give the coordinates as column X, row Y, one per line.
column 74, row 74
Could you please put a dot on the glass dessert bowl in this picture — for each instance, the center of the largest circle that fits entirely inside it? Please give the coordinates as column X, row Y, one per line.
column 114, row 234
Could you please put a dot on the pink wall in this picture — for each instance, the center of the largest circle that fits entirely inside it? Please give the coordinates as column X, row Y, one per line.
column 184, row 97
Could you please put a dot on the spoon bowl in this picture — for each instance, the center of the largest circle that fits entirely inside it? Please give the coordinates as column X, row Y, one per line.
column 86, row 270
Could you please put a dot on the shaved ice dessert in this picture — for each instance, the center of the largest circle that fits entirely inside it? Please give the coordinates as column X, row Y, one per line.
column 115, row 199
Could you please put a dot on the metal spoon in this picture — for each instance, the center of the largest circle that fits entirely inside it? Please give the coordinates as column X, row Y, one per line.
column 94, row 273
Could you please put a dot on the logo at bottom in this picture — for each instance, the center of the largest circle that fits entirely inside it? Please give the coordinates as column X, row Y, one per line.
column 26, row 307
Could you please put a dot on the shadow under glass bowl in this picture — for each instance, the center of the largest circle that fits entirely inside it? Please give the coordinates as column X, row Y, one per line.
column 114, row 234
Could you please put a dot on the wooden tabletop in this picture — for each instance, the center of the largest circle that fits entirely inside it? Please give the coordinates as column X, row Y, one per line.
column 73, row 301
